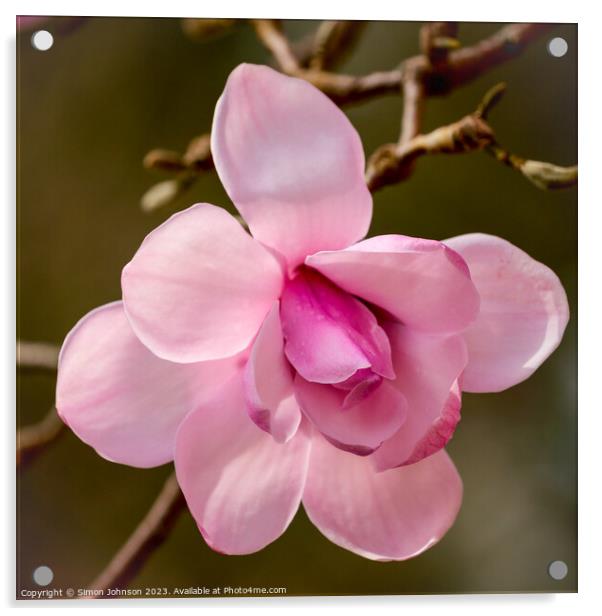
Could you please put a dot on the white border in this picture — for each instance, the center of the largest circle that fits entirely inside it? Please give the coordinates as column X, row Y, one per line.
column 590, row 305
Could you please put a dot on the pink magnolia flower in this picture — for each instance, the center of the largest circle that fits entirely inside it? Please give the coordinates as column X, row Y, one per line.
column 301, row 363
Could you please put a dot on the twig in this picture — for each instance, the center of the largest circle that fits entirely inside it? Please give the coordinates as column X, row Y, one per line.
column 394, row 162
column 468, row 63
column 37, row 355
column 437, row 39
column 332, row 41
column 462, row 65
column 413, row 107
column 442, row 69
column 269, row 32
column 544, row 175
column 188, row 166
column 32, row 440
column 146, row 538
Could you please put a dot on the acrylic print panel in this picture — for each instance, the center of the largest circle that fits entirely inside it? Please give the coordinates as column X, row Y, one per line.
column 304, row 351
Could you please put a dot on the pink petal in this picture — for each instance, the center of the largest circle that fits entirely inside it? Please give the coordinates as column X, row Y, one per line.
column 291, row 162
column 360, row 429
column 242, row 487
column 269, row 382
column 120, row 398
column 524, row 312
column 359, row 386
column 329, row 334
column 199, row 287
column 427, row 366
column 393, row 515
column 422, row 283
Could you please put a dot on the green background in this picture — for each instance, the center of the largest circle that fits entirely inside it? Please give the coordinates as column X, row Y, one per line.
column 88, row 111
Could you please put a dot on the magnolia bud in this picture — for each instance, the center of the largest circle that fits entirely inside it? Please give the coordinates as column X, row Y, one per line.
column 548, row 176
column 161, row 194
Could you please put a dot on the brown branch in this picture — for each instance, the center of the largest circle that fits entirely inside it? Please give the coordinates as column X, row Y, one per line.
column 413, row 108
column 394, row 162
column 152, row 531
column 461, row 66
column 332, row 41
column 32, row 440
column 341, row 89
column 437, row 39
column 37, row 355
column 188, row 166
column 434, row 73
column 468, row 63
column 269, row 32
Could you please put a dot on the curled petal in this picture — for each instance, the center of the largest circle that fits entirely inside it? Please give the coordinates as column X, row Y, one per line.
column 269, row 382
column 329, row 334
column 120, row 398
column 428, row 367
column 392, row 515
column 199, row 286
column 442, row 429
column 291, row 162
column 360, row 429
column 423, row 283
column 242, row 487
column 524, row 312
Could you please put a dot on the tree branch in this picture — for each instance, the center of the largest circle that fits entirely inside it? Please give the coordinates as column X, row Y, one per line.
column 331, row 42
column 437, row 39
column 37, row 355
column 468, row 63
column 437, row 71
column 269, row 32
column 146, row 538
column 413, row 108
column 394, row 162
column 32, row 440
column 196, row 160
column 462, row 65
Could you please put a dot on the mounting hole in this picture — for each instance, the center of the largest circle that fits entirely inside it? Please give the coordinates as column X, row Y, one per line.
column 558, row 570
column 558, row 47
column 42, row 40
column 43, row 575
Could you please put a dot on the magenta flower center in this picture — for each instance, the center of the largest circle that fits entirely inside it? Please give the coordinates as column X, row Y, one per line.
column 333, row 338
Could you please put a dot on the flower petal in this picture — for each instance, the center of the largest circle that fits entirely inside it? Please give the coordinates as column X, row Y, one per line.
column 269, row 382
column 329, row 334
column 360, row 429
column 199, row 286
column 242, row 487
column 120, row 398
column 422, row 283
column 392, row 515
column 524, row 312
column 291, row 162
column 427, row 367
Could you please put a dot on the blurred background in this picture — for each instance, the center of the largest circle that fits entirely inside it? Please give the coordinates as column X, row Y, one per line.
column 112, row 89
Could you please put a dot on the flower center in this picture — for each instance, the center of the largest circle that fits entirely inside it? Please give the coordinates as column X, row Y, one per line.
column 333, row 338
